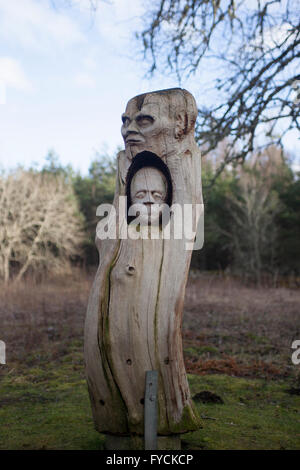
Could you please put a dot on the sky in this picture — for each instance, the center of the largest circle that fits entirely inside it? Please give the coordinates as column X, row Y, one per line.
column 66, row 75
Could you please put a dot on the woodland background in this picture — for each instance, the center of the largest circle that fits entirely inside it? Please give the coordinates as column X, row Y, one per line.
column 242, row 305
column 252, row 218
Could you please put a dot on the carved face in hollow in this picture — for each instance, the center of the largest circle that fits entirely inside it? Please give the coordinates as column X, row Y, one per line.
column 148, row 187
column 147, row 128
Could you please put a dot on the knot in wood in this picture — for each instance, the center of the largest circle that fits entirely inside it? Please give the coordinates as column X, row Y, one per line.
column 130, row 270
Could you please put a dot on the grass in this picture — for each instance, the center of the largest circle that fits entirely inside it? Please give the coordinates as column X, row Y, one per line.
column 256, row 414
column 47, row 407
column 240, row 330
column 237, row 343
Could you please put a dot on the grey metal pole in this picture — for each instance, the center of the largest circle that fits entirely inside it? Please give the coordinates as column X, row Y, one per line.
column 150, row 418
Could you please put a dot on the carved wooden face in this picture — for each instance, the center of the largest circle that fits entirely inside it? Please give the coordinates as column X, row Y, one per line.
column 149, row 187
column 149, row 128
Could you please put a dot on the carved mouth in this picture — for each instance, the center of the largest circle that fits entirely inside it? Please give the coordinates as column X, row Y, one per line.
column 131, row 141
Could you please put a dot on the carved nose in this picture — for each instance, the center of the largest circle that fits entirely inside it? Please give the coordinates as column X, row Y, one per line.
column 132, row 127
column 149, row 198
column 131, row 133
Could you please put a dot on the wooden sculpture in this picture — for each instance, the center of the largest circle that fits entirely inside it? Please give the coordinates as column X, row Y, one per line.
column 134, row 314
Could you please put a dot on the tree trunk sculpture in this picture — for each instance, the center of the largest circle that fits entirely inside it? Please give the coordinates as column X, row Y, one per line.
column 134, row 314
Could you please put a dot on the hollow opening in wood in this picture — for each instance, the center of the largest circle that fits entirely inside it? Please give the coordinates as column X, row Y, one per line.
column 148, row 160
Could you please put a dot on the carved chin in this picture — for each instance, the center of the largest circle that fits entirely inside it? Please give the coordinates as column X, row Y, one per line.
column 133, row 149
column 149, row 219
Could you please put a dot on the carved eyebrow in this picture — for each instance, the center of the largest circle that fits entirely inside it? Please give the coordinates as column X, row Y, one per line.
column 145, row 116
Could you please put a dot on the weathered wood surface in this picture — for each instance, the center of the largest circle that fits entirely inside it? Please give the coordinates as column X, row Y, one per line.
column 134, row 314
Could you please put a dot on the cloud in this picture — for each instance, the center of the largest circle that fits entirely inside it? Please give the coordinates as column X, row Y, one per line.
column 116, row 22
column 85, row 80
column 12, row 74
column 35, row 24
column 90, row 62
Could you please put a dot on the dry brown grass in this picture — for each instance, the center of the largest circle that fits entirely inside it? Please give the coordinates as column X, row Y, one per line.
column 43, row 317
column 240, row 330
column 228, row 328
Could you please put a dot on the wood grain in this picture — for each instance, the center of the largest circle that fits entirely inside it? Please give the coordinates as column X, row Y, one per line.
column 134, row 314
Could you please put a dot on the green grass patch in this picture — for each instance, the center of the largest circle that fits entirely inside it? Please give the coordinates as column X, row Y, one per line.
column 47, row 407
column 256, row 414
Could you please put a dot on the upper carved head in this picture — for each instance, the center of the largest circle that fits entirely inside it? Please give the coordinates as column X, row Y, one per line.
column 158, row 121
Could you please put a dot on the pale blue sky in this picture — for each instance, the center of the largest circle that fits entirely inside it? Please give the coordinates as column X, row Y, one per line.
column 68, row 76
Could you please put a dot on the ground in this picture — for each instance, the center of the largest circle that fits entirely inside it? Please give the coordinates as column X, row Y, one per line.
column 237, row 343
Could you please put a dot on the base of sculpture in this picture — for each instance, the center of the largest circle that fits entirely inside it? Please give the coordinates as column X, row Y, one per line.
column 137, row 442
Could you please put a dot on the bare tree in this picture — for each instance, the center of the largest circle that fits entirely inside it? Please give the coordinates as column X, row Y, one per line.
column 40, row 225
column 252, row 229
column 254, row 48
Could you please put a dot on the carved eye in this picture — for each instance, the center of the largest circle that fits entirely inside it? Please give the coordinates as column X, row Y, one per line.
column 140, row 194
column 125, row 120
column 157, row 195
column 144, row 121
